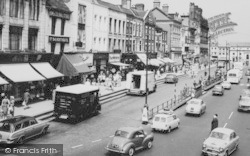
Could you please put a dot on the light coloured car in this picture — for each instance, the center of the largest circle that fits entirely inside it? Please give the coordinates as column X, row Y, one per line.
column 196, row 106
column 226, row 85
column 18, row 129
column 218, row 90
column 171, row 78
column 127, row 140
column 165, row 121
column 221, row 142
column 244, row 103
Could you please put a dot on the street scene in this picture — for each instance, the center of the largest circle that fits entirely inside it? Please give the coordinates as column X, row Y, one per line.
column 126, row 77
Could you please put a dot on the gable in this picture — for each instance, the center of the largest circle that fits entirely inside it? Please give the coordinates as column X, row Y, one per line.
column 159, row 15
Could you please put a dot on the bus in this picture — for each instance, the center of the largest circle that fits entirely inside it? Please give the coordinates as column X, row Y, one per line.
column 234, row 76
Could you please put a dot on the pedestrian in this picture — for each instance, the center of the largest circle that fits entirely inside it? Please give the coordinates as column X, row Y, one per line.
column 88, row 82
column 5, row 106
column 26, row 98
column 12, row 106
column 215, row 122
column 145, row 115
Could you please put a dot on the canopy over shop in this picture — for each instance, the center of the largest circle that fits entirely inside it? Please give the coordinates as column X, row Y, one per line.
column 76, row 66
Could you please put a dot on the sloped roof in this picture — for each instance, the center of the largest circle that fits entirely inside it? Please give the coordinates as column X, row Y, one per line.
column 110, row 6
column 139, row 13
column 57, row 5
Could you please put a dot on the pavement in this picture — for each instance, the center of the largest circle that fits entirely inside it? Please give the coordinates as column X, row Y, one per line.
column 43, row 107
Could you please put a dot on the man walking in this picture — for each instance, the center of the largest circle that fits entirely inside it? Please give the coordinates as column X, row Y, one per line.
column 215, row 122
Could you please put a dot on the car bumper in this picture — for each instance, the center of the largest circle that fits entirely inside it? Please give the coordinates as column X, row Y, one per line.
column 6, row 142
column 217, row 93
column 207, row 153
column 115, row 150
column 193, row 111
column 244, row 108
column 157, row 128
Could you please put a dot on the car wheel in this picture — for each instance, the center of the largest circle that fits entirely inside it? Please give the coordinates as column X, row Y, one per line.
column 200, row 113
column 20, row 141
column 226, row 154
column 169, row 129
column 131, row 151
column 45, row 131
column 149, row 144
column 178, row 125
column 236, row 147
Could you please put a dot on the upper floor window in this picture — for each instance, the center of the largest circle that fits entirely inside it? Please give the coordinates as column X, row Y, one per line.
column 2, row 7
column 62, row 26
column 53, row 25
column 34, row 9
column 110, row 24
column 82, row 14
column 17, row 8
column 32, row 39
column 15, row 38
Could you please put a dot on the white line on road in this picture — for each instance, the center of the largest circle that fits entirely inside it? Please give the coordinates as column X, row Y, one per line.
column 96, row 140
column 231, row 115
column 225, row 125
column 77, row 146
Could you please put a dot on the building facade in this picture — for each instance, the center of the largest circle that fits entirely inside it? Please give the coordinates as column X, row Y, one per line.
column 22, row 25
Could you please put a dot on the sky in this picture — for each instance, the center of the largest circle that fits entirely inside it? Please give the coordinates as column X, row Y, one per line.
column 240, row 13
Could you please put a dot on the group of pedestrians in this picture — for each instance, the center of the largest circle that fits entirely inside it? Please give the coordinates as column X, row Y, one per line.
column 109, row 80
column 7, row 106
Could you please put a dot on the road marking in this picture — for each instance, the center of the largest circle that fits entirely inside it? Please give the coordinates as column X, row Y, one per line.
column 111, row 136
column 225, row 125
column 230, row 115
column 96, row 140
column 77, row 146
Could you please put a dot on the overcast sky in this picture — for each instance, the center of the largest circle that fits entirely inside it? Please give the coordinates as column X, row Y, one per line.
column 240, row 10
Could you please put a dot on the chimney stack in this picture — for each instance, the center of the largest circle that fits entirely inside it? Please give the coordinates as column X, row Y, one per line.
column 165, row 8
column 139, row 7
column 128, row 4
column 157, row 3
column 124, row 3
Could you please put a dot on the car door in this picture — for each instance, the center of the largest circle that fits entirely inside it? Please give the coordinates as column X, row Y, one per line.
column 232, row 142
column 27, row 129
column 171, row 122
column 203, row 106
column 138, row 138
column 175, row 121
column 36, row 128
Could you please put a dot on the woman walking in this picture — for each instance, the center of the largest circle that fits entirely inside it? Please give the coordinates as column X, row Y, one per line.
column 12, row 106
column 5, row 106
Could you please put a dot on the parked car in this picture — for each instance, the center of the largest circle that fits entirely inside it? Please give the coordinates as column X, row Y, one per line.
column 196, row 106
column 18, row 129
column 171, row 78
column 165, row 121
column 244, row 103
column 129, row 139
column 226, row 85
column 221, row 142
column 218, row 90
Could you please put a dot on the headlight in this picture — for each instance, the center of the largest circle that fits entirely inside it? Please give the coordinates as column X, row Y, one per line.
column 221, row 150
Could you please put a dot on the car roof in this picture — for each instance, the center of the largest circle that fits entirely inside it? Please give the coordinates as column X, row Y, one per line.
column 17, row 119
column 130, row 129
column 223, row 130
column 163, row 115
column 77, row 89
column 194, row 99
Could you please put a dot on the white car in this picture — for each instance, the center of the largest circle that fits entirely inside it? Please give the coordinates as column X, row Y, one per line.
column 165, row 121
column 226, row 85
column 195, row 106
column 244, row 103
column 221, row 142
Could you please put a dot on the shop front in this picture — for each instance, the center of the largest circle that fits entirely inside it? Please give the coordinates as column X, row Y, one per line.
column 100, row 61
column 129, row 58
column 76, row 67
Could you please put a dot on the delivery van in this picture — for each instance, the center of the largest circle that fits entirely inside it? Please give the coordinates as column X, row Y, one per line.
column 136, row 82
column 234, row 76
column 76, row 102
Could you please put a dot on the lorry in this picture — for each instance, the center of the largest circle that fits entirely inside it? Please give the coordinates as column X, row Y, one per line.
column 136, row 82
column 76, row 102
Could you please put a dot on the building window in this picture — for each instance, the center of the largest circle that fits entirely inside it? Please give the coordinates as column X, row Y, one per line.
column 32, row 39
column 62, row 47
column 15, row 38
column 104, row 42
column 53, row 25
column 82, row 14
column 81, row 25
column 0, row 37
column 62, row 26
column 17, row 8
column 34, row 9
column 115, row 26
column 110, row 25
column 109, row 44
column 2, row 7
column 53, row 47
column 119, row 27
column 124, row 27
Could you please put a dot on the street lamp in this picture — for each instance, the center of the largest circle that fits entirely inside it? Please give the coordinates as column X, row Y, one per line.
column 146, row 97
column 209, row 41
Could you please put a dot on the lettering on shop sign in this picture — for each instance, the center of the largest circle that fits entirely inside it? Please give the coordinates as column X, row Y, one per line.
column 59, row 39
column 114, row 58
column 59, row 14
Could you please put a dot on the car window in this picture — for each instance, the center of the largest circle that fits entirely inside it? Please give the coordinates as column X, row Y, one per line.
column 32, row 122
column 174, row 116
column 163, row 119
column 219, row 135
column 194, row 102
column 157, row 118
column 18, row 127
column 138, row 134
column 26, row 124
column 6, row 127
column 120, row 133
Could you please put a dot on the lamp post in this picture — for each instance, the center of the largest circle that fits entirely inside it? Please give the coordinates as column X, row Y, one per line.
column 209, row 41
column 226, row 56
column 146, row 97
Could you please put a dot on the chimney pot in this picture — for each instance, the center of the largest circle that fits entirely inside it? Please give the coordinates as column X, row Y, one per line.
column 157, row 3
column 165, row 8
column 139, row 7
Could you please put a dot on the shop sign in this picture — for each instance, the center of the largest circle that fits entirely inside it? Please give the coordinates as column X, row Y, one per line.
column 59, row 39
column 114, row 58
column 59, row 14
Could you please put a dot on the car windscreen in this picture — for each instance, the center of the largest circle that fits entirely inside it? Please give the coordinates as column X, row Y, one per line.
column 122, row 134
column 170, row 76
column 219, row 135
column 6, row 127
column 232, row 75
column 193, row 102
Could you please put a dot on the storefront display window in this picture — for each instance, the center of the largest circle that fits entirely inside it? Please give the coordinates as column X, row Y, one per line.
column 15, row 38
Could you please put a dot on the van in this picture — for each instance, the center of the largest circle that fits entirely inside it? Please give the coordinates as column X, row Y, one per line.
column 136, row 82
column 234, row 76
column 76, row 102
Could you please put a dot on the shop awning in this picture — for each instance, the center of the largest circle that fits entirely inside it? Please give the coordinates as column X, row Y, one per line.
column 2, row 81
column 155, row 62
column 20, row 72
column 74, row 64
column 120, row 64
column 142, row 57
column 45, row 69
column 167, row 60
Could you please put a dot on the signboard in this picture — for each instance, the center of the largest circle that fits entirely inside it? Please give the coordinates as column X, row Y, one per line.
column 58, row 39
column 58, row 14
column 114, row 58
column 220, row 25
column 83, row 59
